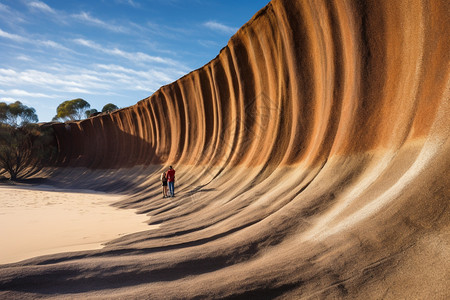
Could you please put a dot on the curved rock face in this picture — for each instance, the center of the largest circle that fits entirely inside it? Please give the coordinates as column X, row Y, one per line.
column 312, row 159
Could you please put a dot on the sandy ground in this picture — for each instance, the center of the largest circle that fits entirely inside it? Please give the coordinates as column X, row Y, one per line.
column 43, row 220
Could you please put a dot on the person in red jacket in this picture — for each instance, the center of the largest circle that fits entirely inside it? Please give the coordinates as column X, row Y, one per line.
column 170, row 174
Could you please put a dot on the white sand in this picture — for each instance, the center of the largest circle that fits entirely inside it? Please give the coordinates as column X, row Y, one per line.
column 43, row 220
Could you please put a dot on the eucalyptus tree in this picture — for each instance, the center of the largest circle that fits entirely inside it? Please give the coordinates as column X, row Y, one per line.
column 71, row 110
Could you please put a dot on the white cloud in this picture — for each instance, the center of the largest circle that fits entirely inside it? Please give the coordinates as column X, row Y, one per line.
column 24, row 58
column 138, row 57
column 86, row 17
column 61, row 80
column 4, row 8
column 54, row 45
column 12, row 36
column 22, row 93
column 78, row 90
column 98, row 79
column 213, row 25
column 51, row 14
column 11, row 16
column 157, row 76
column 7, row 72
column 12, row 100
column 8, row 100
column 208, row 44
column 88, row 43
column 129, row 2
column 46, row 43
column 53, row 83
column 41, row 6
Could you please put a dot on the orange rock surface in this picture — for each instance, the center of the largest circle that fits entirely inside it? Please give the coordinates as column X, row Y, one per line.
column 312, row 158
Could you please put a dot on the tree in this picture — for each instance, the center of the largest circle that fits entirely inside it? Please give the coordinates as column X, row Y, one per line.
column 24, row 150
column 3, row 111
column 72, row 110
column 109, row 108
column 91, row 112
column 16, row 114
column 24, row 147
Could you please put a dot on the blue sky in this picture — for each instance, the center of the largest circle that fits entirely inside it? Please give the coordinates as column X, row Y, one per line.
column 103, row 51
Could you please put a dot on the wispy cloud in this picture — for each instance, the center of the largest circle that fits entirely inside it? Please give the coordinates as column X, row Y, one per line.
column 129, row 2
column 56, row 81
column 39, row 5
column 12, row 100
column 53, row 44
column 22, row 39
column 213, row 25
column 11, row 16
column 24, row 58
column 51, row 52
column 154, row 76
column 138, row 57
column 7, row 72
column 22, row 93
column 86, row 17
column 88, row 43
column 96, row 79
column 207, row 43
column 8, row 99
column 83, row 16
column 51, row 14
column 4, row 8
column 12, row 36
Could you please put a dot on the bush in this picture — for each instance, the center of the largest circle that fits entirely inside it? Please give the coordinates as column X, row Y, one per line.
column 25, row 150
column 24, row 147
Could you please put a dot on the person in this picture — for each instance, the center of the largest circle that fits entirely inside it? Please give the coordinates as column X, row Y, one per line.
column 164, row 184
column 170, row 174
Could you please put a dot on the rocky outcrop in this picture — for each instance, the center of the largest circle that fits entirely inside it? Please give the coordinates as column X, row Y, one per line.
column 312, row 159
column 300, row 82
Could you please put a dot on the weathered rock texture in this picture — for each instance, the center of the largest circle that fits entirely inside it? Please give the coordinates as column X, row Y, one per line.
column 312, row 159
